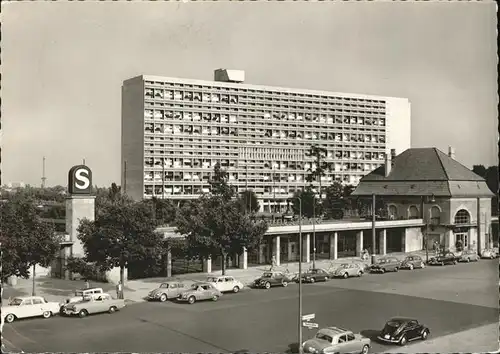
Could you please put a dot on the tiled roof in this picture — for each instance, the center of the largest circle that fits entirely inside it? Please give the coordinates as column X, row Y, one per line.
column 423, row 164
column 425, row 171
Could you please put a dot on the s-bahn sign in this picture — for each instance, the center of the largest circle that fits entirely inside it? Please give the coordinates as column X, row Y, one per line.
column 80, row 180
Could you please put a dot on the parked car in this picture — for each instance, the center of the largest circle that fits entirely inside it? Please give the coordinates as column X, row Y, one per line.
column 80, row 294
column 468, row 255
column 490, row 253
column 401, row 330
column 28, row 306
column 92, row 304
column 346, row 270
column 167, row 291
column 446, row 257
column 412, row 262
column 386, row 264
column 269, row 279
column 226, row 283
column 200, row 291
column 314, row 275
column 337, row 340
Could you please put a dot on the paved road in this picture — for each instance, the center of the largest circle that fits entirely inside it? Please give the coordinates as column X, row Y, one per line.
column 261, row 320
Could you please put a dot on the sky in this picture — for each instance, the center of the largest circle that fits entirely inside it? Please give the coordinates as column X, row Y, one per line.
column 63, row 64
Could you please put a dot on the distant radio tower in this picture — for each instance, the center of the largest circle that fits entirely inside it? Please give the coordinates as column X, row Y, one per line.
column 43, row 173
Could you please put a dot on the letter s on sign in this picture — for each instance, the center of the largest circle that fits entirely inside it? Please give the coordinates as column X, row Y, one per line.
column 82, row 180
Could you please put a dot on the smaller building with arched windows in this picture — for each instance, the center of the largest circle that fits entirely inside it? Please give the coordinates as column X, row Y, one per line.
column 425, row 183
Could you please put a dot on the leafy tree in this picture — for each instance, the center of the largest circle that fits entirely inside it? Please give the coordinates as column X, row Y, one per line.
column 26, row 240
column 110, row 196
column 88, row 271
column 249, row 201
column 310, row 204
column 215, row 224
column 219, row 185
column 335, row 201
column 479, row 170
column 315, row 174
column 163, row 210
column 121, row 233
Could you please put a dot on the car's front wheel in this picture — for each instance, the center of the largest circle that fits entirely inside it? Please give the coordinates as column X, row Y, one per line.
column 191, row 300
column 360, row 273
column 236, row 289
column 403, row 341
column 163, row 298
column 326, row 278
column 83, row 313
column 410, row 266
column 10, row 318
column 345, row 275
column 365, row 349
column 396, row 269
column 112, row 309
column 215, row 298
column 313, row 280
column 425, row 334
column 47, row 314
column 422, row 265
column 285, row 284
column 267, row 285
column 382, row 270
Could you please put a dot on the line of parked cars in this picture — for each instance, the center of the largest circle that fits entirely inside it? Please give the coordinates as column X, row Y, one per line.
column 95, row 300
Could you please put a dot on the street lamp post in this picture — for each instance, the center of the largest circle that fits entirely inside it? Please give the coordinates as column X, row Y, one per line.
column 300, row 276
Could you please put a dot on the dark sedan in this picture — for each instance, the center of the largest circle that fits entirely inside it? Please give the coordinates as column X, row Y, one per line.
column 402, row 330
column 314, row 275
column 269, row 279
column 444, row 258
column 386, row 264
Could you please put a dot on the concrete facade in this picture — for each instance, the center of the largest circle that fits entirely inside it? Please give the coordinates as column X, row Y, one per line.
column 78, row 208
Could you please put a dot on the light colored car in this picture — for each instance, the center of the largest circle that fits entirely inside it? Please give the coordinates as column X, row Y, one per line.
column 81, row 293
column 413, row 261
column 225, row 283
column 337, row 340
column 28, row 306
column 167, row 291
column 200, row 291
column 346, row 270
column 468, row 256
column 92, row 304
column 489, row 253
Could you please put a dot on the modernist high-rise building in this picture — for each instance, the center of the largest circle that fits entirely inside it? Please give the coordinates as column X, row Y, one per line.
column 175, row 130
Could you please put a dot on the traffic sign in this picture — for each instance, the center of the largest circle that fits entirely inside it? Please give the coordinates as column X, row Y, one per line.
column 308, row 317
column 310, row 325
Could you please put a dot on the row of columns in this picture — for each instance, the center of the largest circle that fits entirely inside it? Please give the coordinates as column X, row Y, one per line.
column 306, row 250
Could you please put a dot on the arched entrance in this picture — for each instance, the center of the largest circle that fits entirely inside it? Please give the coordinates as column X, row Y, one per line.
column 461, row 230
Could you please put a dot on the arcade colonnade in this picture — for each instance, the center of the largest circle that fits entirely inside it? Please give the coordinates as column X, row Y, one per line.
column 280, row 249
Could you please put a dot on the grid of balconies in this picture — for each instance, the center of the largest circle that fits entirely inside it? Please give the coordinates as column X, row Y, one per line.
column 254, row 135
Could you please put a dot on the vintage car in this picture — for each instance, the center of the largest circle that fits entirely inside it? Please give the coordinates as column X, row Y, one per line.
column 413, row 261
column 336, row 340
column 446, row 257
column 92, row 304
column 28, row 306
column 225, row 283
column 80, row 293
column 269, row 279
column 346, row 270
column 314, row 275
column 402, row 330
column 386, row 264
column 167, row 291
column 468, row 255
column 490, row 253
column 200, row 291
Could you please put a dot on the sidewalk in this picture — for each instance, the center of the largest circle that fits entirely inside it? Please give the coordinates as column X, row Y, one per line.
column 136, row 290
column 482, row 339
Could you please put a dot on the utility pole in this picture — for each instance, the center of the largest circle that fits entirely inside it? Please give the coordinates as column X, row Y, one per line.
column 374, row 230
column 83, row 162
column 33, row 292
column 43, row 173
column 301, row 350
